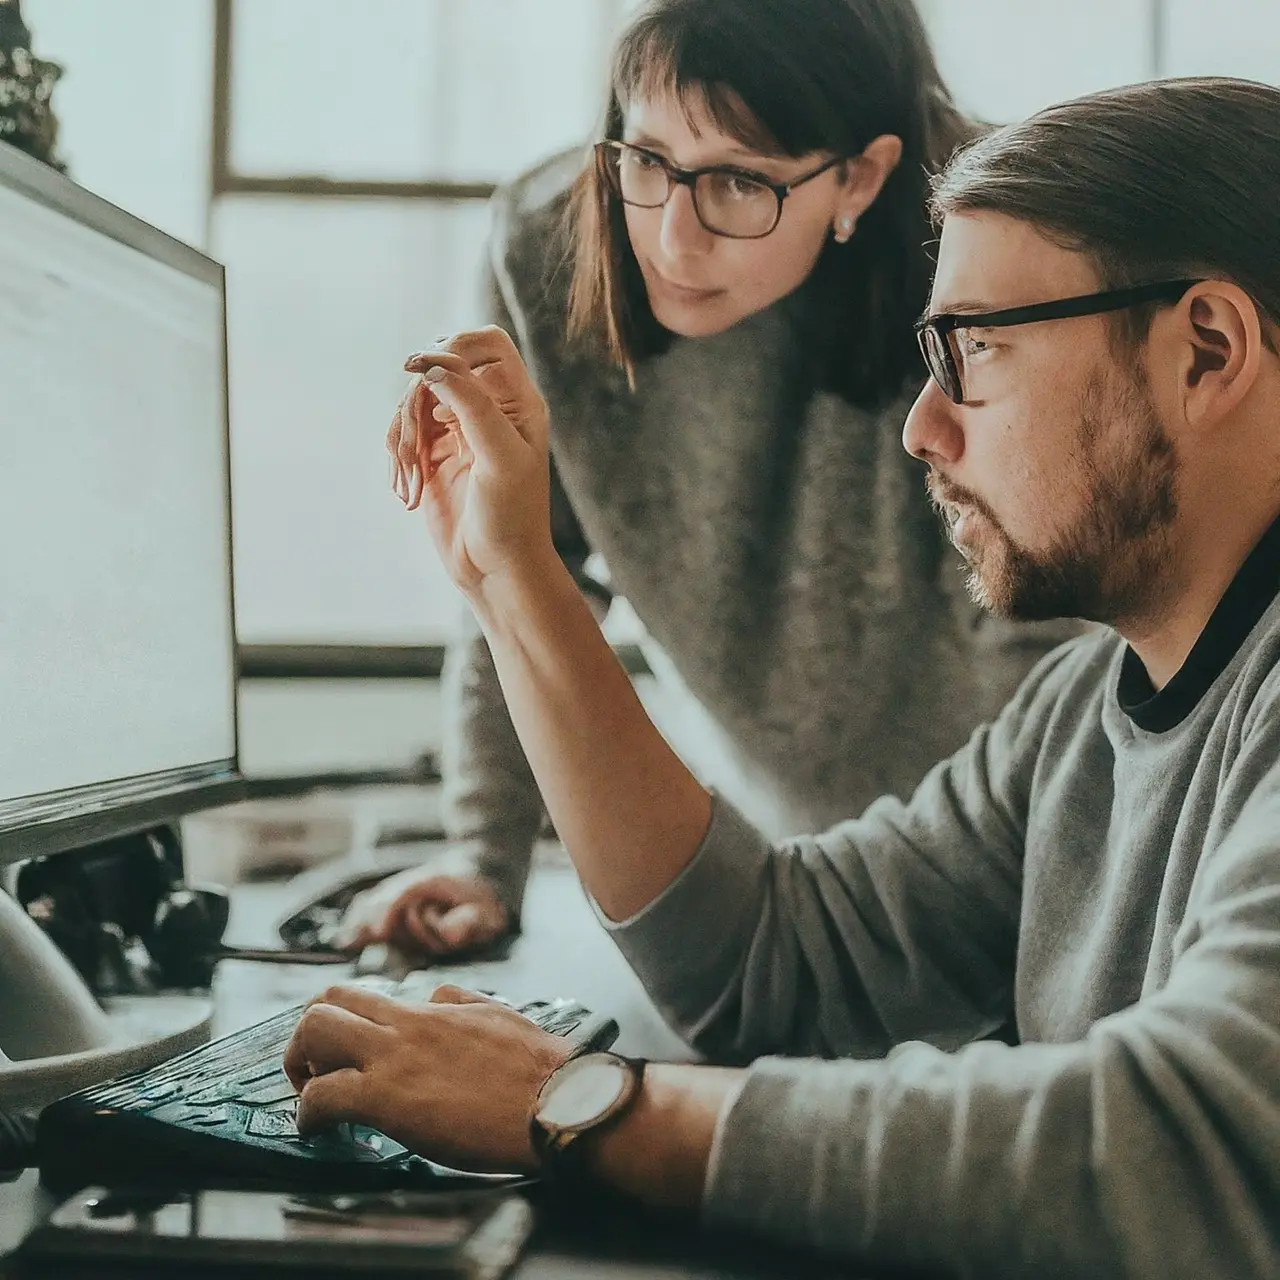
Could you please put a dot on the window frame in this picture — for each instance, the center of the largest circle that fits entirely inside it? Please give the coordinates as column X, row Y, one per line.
column 224, row 180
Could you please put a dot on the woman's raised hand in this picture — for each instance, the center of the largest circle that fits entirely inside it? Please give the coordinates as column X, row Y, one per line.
column 469, row 445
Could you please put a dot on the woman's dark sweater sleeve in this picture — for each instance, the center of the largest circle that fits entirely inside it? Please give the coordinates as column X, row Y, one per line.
column 491, row 807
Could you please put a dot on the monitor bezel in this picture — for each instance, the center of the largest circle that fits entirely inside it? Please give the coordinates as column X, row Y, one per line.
column 82, row 816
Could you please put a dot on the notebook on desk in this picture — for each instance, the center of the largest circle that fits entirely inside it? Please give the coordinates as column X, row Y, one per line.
column 470, row 1236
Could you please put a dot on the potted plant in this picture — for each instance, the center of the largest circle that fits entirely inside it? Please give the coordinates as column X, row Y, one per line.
column 27, row 120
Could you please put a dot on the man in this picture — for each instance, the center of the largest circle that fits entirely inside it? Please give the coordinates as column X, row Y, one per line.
column 1101, row 864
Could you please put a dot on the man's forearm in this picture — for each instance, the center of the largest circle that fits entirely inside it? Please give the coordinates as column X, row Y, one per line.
column 629, row 812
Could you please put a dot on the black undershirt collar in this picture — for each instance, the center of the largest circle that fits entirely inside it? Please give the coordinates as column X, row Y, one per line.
column 1245, row 600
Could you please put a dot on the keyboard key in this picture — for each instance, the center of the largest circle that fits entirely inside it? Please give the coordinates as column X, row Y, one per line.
column 269, row 1072
column 153, row 1095
column 278, row 1089
column 377, row 1143
column 223, row 1091
column 273, row 1124
column 211, row 1119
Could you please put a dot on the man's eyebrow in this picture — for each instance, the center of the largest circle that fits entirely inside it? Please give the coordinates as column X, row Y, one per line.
column 965, row 307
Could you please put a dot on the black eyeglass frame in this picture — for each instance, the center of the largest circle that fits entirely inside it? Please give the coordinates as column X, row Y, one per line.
column 689, row 178
column 933, row 333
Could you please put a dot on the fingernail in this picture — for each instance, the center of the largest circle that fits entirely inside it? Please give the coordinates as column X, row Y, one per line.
column 427, row 354
column 435, row 374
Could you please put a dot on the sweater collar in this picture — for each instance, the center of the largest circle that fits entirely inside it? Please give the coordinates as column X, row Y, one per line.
column 1247, row 597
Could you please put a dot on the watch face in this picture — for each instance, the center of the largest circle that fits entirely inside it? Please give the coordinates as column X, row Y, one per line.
column 582, row 1091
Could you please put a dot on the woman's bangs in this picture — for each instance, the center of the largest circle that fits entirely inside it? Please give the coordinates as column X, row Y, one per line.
column 688, row 64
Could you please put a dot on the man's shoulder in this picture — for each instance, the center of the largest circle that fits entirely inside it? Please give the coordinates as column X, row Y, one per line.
column 1072, row 675
column 1258, row 682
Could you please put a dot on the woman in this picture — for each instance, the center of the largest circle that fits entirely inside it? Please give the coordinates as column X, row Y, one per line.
column 728, row 359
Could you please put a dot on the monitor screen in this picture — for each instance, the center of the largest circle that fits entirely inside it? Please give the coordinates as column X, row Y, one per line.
column 117, row 646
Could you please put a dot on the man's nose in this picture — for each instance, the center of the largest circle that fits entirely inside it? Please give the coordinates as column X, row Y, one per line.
column 932, row 431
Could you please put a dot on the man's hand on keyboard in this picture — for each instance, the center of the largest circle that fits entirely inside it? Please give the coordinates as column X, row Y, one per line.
column 425, row 913
column 454, row 1080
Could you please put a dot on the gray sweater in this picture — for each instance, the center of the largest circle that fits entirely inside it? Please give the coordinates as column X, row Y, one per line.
column 776, row 543
column 1108, row 877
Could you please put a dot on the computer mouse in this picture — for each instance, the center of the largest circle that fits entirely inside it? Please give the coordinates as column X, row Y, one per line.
column 322, row 895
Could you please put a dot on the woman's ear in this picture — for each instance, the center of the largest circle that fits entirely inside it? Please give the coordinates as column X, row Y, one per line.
column 865, row 176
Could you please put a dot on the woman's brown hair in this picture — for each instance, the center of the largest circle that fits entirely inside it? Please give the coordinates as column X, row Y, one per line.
column 813, row 75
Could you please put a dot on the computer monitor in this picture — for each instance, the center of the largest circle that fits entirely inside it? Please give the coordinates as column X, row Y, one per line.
column 117, row 644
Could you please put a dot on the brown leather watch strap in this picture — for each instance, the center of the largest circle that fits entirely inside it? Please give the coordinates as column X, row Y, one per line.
column 562, row 1157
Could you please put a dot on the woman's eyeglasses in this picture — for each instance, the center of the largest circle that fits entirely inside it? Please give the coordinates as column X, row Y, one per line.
column 729, row 202
column 944, row 355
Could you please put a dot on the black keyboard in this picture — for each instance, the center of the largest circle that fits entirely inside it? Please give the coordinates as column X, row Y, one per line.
column 223, row 1115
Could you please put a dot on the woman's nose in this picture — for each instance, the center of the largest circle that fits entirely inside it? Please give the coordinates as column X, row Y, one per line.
column 682, row 232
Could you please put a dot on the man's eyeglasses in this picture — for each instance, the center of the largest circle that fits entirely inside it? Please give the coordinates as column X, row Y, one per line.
column 944, row 355
column 729, row 202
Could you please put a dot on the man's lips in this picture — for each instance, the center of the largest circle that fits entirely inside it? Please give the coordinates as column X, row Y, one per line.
column 958, row 511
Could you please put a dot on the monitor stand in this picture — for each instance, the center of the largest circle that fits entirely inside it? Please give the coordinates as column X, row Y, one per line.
column 56, row 1038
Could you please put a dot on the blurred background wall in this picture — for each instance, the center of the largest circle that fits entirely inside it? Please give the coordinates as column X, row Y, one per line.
column 335, row 154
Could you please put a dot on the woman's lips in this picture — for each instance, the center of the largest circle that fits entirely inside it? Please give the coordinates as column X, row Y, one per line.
column 684, row 292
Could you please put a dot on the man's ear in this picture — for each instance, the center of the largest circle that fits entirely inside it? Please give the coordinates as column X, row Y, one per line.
column 1222, row 342
column 866, row 174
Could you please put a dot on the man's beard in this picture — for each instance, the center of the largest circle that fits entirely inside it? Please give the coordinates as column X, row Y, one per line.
column 1107, row 566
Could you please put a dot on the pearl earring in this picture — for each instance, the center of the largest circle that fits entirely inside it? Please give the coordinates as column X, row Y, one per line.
column 845, row 230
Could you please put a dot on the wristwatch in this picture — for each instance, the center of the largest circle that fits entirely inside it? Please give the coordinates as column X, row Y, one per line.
column 584, row 1095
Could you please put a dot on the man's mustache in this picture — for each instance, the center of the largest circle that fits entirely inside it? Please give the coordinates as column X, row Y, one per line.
column 947, row 497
